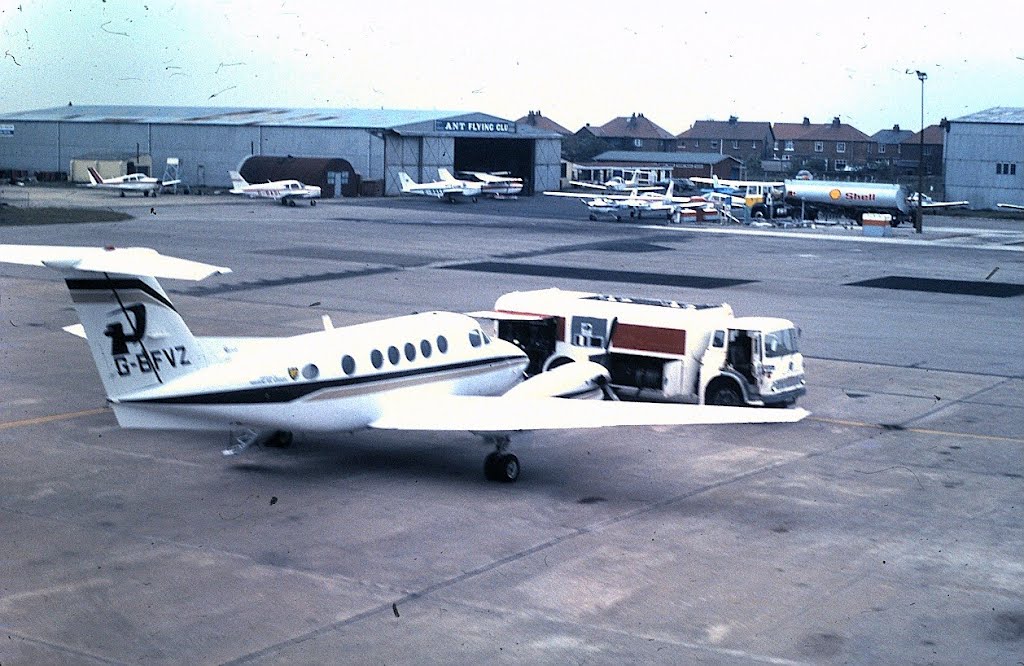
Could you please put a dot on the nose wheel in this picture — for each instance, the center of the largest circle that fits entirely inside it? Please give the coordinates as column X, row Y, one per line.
column 500, row 465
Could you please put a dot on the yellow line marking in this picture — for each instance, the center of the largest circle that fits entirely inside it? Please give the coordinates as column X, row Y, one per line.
column 40, row 420
column 920, row 431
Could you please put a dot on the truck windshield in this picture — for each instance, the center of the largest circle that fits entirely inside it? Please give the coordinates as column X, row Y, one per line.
column 780, row 343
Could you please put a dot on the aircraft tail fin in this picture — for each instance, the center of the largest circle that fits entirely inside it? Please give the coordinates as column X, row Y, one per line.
column 137, row 338
column 94, row 176
column 237, row 182
column 406, row 181
column 445, row 174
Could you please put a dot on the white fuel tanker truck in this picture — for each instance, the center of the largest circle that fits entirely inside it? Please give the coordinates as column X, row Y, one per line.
column 853, row 200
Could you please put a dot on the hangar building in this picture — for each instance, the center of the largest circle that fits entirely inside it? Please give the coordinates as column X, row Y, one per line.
column 330, row 147
column 985, row 158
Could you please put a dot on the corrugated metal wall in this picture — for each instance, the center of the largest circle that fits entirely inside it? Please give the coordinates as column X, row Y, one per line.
column 547, row 164
column 207, row 152
column 418, row 156
column 972, row 152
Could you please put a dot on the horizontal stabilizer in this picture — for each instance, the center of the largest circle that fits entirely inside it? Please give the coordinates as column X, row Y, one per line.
column 127, row 261
column 508, row 414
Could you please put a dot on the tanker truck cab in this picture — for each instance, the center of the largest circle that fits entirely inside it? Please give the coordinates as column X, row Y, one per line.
column 754, row 361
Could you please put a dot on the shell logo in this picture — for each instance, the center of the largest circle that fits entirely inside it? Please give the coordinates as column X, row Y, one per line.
column 834, row 194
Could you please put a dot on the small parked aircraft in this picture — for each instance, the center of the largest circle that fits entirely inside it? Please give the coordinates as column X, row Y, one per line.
column 635, row 203
column 432, row 371
column 616, row 184
column 497, row 184
column 288, row 192
column 133, row 182
column 449, row 188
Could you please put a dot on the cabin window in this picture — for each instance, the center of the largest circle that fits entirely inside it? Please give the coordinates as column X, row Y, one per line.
column 410, row 351
column 474, row 338
column 442, row 344
column 425, row 348
column 310, row 371
column 348, row 364
column 376, row 358
column 393, row 355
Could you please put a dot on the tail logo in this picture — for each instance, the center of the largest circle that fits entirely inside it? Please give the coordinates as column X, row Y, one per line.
column 115, row 330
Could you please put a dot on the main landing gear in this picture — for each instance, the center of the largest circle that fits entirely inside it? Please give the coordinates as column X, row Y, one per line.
column 500, row 465
column 244, row 438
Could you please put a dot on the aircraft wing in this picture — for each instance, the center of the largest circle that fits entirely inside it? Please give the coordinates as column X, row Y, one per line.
column 483, row 414
column 944, row 204
column 1010, row 206
column 123, row 260
column 592, row 186
column 586, row 195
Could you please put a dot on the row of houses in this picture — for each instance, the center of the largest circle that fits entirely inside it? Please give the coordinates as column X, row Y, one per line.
column 761, row 146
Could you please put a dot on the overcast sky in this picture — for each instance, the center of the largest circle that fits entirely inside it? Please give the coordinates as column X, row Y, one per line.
column 577, row 63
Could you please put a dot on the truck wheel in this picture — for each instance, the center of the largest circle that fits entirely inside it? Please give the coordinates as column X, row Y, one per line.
column 760, row 212
column 724, row 394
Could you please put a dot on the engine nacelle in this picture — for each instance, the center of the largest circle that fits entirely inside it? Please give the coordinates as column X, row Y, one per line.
column 579, row 379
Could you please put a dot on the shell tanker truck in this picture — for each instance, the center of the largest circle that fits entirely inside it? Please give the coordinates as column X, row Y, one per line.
column 853, row 200
column 657, row 350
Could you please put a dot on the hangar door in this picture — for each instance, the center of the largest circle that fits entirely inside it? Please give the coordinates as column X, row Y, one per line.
column 335, row 177
column 512, row 155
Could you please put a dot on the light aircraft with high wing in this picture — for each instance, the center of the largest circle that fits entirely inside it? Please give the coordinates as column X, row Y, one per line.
column 635, row 203
column 498, row 184
column 617, row 184
column 448, row 187
column 431, row 371
column 288, row 192
column 133, row 182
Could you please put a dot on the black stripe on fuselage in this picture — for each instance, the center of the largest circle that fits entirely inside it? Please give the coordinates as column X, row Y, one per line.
column 114, row 284
column 289, row 392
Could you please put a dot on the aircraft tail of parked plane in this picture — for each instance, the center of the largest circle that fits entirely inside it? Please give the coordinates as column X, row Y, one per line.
column 238, row 184
column 137, row 338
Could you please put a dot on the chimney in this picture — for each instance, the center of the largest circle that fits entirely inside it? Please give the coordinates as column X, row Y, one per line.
column 733, row 120
column 835, row 121
column 807, row 121
column 896, row 127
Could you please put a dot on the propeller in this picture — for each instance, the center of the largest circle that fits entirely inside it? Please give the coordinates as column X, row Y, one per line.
column 604, row 381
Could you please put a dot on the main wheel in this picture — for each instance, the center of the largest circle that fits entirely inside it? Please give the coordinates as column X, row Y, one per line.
column 291, row 202
column 282, row 439
column 502, row 467
column 312, row 202
column 724, row 394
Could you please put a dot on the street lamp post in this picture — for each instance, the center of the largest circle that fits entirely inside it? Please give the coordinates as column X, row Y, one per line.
column 919, row 213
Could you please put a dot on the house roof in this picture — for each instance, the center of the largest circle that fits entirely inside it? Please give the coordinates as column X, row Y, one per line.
column 655, row 157
column 636, row 126
column 1005, row 115
column 933, row 135
column 727, row 129
column 891, row 136
column 535, row 119
column 808, row 131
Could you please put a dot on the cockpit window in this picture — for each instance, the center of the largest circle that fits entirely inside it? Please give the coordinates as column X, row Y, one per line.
column 780, row 343
column 474, row 338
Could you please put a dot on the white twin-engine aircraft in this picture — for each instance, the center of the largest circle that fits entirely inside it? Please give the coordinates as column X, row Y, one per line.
column 285, row 191
column 133, row 182
column 434, row 371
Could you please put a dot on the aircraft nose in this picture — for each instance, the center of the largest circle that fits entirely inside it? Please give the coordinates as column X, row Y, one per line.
column 507, row 348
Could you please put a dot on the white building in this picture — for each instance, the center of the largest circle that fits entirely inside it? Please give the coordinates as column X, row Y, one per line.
column 985, row 158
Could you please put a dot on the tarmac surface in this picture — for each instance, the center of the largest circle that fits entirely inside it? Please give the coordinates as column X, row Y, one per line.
column 884, row 528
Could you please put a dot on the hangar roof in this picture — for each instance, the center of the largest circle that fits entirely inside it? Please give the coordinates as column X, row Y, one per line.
column 1004, row 115
column 409, row 121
